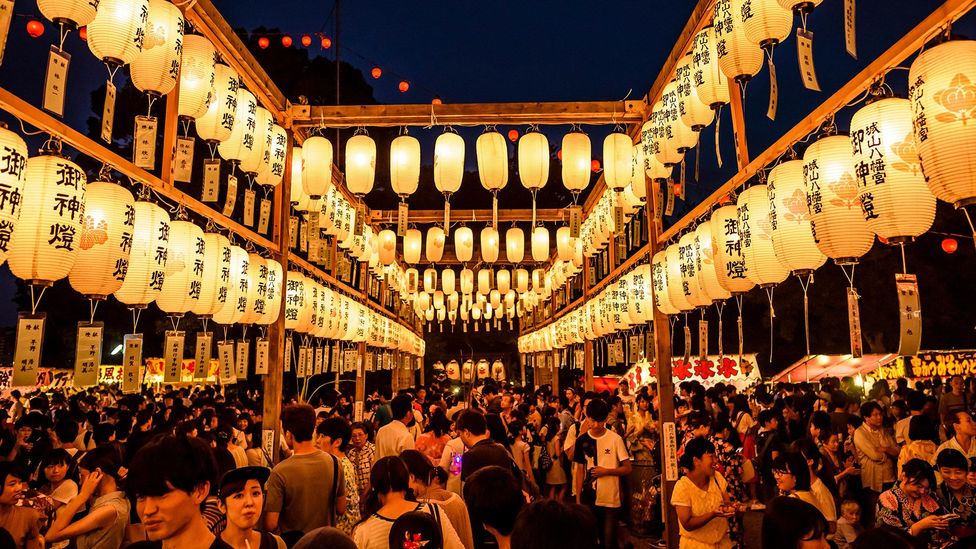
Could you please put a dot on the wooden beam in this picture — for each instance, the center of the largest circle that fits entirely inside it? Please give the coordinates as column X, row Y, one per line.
column 469, row 114
column 898, row 52
column 85, row 145
column 504, row 215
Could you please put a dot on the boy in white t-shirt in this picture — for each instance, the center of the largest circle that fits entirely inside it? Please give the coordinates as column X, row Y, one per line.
column 601, row 459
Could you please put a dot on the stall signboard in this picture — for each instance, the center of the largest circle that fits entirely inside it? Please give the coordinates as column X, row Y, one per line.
column 709, row 371
column 930, row 364
column 112, row 374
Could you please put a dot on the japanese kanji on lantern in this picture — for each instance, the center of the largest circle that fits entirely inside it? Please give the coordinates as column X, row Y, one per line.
column 118, row 31
column 237, row 287
column 789, row 220
column 13, row 160
column 106, row 237
column 216, row 276
column 184, row 269
column 217, row 123
column 156, row 67
column 147, row 260
column 738, row 58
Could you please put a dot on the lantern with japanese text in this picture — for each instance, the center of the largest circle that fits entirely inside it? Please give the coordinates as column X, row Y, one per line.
column 237, row 288
column 295, row 298
column 730, row 263
column 241, row 141
column 763, row 267
column 677, row 291
column 118, row 31
column 689, row 265
column 659, row 279
column 257, row 288
column 70, row 14
column 678, row 135
column 706, row 267
column 217, row 123
column 765, row 22
column 272, row 168
column 576, row 162
column 695, row 113
column 184, row 269
column 738, row 58
column 360, row 164
column 156, row 68
column 463, row 244
column 197, row 76
column 839, row 227
column 48, row 235
column 789, row 219
column 106, row 240
column 254, row 158
column 274, row 293
column 216, row 275
column 514, row 245
column 710, row 83
column 895, row 200
column 489, row 244
column 13, row 160
column 147, row 259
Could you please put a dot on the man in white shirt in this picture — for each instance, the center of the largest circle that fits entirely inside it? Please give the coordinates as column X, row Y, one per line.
column 916, row 401
column 601, row 459
column 395, row 436
column 965, row 429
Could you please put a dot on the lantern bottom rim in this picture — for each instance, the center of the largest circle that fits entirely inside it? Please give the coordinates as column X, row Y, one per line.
column 803, row 272
column 66, row 23
column 846, row 260
column 41, row 283
column 904, row 239
column 96, row 297
column 965, row 202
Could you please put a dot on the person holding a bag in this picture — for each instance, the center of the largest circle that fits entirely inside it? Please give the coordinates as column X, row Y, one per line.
column 701, row 500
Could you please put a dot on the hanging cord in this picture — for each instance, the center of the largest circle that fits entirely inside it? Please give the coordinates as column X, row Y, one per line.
column 112, row 69
column 225, row 334
column 152, row 101
column 213, row 150
column 185, row 123
column 175, row 322
column 672, row 321
column 204, row 321
column 697, row 156
column 718, row 124
column 720, row 308
column 136, row 313
column 37, row 301
column 904, row 263
column 772, row 315
column 805, row 281
column 92, row 306
column 738, row 304
column 64, row 31
column 970, row 221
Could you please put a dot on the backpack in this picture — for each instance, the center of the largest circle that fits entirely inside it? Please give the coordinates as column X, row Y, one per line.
column 545, row 460
column 417, row 529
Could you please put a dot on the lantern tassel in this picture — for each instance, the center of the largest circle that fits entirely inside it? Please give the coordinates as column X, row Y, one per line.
column 718, row 124
column 136, row 313
column 93, row 306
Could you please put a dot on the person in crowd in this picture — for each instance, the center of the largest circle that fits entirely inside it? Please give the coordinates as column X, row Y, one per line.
column 169, row 478
column 332, row 436
column 519, row 447
column 835, row 464
column 435, row 437
column 954, row 400
column 555, row 476
column 701, row 500
column 909, row 505
column 55, row 467
column 793, row 478
column 971, row 477
column 428, row 484
column 481, row 450
column 641, row 429
column 361, row 453
column 552, row 524
column 325, row 537
column 601, row 459
column 918, row 443
column 848, row 525
column 826, row 495
column 395, row 437
column 955, row 496
column 916, row 402
column 728, row 458
column 241, row 493
column 876, row 450
column 495, row 502
column 963, row 431
column 22, row 523
column 310, row 481
column 390, row 497
column 769, row 446
column 792, row 523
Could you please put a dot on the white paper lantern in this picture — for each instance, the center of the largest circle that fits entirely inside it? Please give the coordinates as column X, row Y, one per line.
column 184, row 269
column 489, row 244
column 694, row 112
column 236, row 147
column 463, row 244
column 216, row 275
column 764, row 268
column 47, row 237
column 467, row 281
column 448, row 282
column 360, row 164
column 617, row 159
column 273, row 166
column 412, row 244
column 514, row 245
column 448, row 162
column 484, row 281
column 274, row 295
column 659, row 279
column 689, row 264
column 564, row 244
column 405, row 165
column 738, row 58
column 789, row 219
column 217, row 124
column 69, row 13
column 940, row 82
column 435, row 244
column 297, row 196
column 839, row 227
column 765, row 22
column 540, row 244
column 156, row 68
column 295, row 299
column 107, row 226
column 521, row 280
column 577, row 158
column 492, row 152
column 503, row 281
column 895, row 200
column 254, row 158
column 197, row 76
column 237, row 288
column 257, row 289
column 316, row 172
column 430, row 280
column 706, row 267
column 677, row 291
column 678, row 136
column 147, row 260
column 801, row 6
column 117, row 33
column 730, row 263
column 13, row 151
column 387, row 247
column 533, row 160
column 710, row 83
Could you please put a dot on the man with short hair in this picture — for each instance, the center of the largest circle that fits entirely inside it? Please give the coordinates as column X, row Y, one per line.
column 964, row 429
column 310, row 481
column 481, row 450
column 22, row 523
column 601, row 459
column 395, row 437
column 494, row 501
column 916, row 401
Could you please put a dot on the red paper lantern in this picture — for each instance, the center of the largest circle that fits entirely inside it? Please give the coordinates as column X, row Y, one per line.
column 376, row 72
column 950, row 245
column 35, row 28
column 263, row 43
column 404, row 86
column 286, row 41
column 326, row 42
column 513, row 135
column 595, row 165
column 83, row 33
column 436, row 101
column 306, row 40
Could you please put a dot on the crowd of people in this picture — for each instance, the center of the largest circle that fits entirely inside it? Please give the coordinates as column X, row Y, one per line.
column 489, row 466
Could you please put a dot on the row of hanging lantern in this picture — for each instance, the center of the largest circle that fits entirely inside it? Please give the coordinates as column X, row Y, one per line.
column 469, row 371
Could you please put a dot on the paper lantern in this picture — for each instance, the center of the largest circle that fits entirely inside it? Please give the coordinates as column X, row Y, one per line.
column 412, row 246
column 197, row 76
column 156, row 67
column 13, row 152
column 895, row 200
column 412, row 278
column 47, row 237
column 540, row 244
column 659, row 279
column 564, row 244
column 492, row 153
column 656, row 134
column 237, row 288
column 576, row 162
column 295, row 299
column 489, row 244
column 316, row 165
column 430, row 280
column 184, row 269
column 257, row 289
column 617, row 158
column 503, row 281
column 217, row 124
column 448, row 162
column 789, row 219
column 405, row 165
column 941, row 87
column 119, row 30
column 360, row 164
column 839, row 227
column 765, row 22
column 484, row 281
column 467, row 281
column 690, row 264
column 730, row 263
column 147, row 260
column 707, row 265
column 463, row 244
column 514, row 245
column 240, row 142
column 694, row 112
column 677, row 292
column 253, row 158
column 273, row 295
column 448, row 281
column 106, row 240
column 216, row 275
column 435, row 244
column 763, row 267
column 800, row 6
column 69, row 13
column 738, row 58
column 521, row 280
column 297, row 196
column 678, row 136
column 387, row 247
column 273, row 166
column 710, row 83
column 533, row 160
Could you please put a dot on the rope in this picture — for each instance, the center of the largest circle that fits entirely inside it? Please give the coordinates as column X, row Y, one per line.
column 904, row 264
column 136, row 313
column 970, row 221
column 37, row 301
column 93, row 306
column 805, row 282
column 720, row 308
column 772, row 315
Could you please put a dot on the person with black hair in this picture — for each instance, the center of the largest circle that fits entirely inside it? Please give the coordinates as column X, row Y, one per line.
column 241, row 496
column 916, row 402
column 790, row 523
column 56, row 467
column 963, row 433
column 481, row 450
column 23, row 523
column 310, row 481
column 601, row 459
column 876, row 449
column 332, row 436
column 919, row 443
column 395, row 436
column 103, row 527
column 435, row 436
column 428, row 484
column 909, row 505
column 494, row 502
column 825, row 494
column 552, row 524
column 170, row 478
column 792, row 476
column 955, row 495
column 971, row 477
column 701, row 500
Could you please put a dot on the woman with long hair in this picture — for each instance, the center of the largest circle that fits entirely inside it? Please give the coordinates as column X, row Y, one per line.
column 437, row 434
column 428, row 484
column 555, row 477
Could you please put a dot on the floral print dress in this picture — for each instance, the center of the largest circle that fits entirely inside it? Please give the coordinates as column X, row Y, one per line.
column 352, row 516
column 896, row 509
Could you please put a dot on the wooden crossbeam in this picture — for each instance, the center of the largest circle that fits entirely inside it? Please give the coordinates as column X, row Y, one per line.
column 506, row 215
column 908, row 44
column 469, row 114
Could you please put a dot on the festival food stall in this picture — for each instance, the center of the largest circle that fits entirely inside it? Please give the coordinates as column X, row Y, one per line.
column 708, row 371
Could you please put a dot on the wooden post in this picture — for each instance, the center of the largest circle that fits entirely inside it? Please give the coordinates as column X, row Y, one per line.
column 360, row 381
column 588, row 358
column 522, row 366
column 395, row 376
column 276, row 333
column 555, row 372
column 665, row 384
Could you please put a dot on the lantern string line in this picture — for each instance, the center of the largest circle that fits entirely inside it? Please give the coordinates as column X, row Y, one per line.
column 718, row 123
column 24, row 131
column 204, row 321
column 136, row 313
column 64, row 31
column 36, row 302
column 672, row 321
column 720, row 308
column 186, row 127
column 225, row 333
column 111, row 71
column 213, row 150
column 772, row 315
column 152, row 101
column 738, row 303
column 904, row 264
column 93, row 306
column 697, row 157
column 175, row 322
column 805, row 281
column 970, row 221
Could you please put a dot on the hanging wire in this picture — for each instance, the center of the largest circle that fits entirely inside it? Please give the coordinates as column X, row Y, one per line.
column 772, row 315
column 92, row 306
column 720, row 308
column 805, row 280
column 136, row 313
column 37, row 301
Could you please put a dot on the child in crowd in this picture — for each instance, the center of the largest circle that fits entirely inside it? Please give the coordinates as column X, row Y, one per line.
column 848, row 525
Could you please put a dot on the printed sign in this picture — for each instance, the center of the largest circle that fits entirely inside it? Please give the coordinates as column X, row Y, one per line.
column 183, row 160
column 910, row 314
column 243, row 353
column 108, row 112
column 144, row 142
column 261, row 351
column 225, row 357
column 264, row 215
column 669, row 440
column 201, row 355
column 211, row 180
column 173, row 356
column 131, row 363
column 27, row 353
column 88, row 354
column 56, row 80
column 231, row 199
